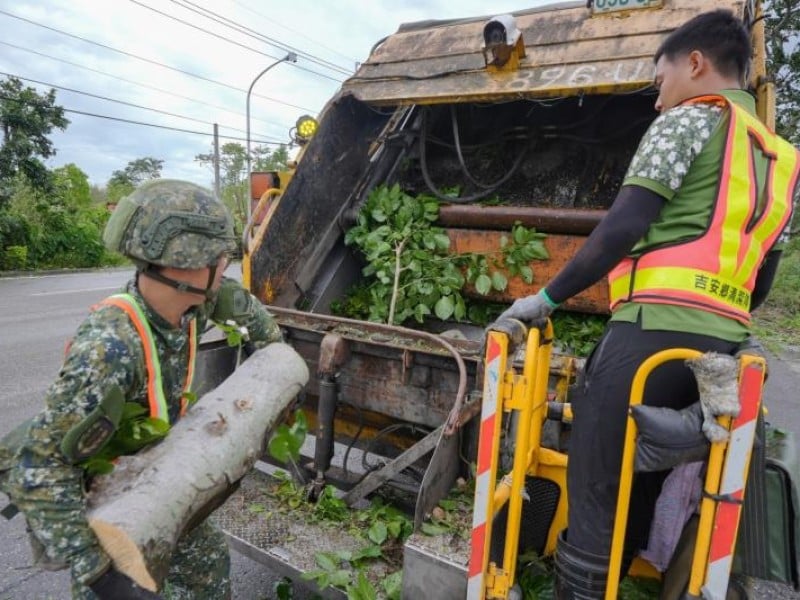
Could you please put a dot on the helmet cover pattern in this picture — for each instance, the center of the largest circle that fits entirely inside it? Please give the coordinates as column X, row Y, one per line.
column 171, row 223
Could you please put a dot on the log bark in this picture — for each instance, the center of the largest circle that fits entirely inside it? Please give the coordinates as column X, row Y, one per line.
column 141, row 509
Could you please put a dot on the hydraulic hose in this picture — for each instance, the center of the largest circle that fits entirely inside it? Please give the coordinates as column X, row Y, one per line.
column 464, row 199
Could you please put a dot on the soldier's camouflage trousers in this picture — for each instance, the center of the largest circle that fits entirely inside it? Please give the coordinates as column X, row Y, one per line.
column 200, row 568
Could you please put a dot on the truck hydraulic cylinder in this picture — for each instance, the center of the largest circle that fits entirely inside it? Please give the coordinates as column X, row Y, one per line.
column 326, row 409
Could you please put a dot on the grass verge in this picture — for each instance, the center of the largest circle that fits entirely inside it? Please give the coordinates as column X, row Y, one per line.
column 777, row 322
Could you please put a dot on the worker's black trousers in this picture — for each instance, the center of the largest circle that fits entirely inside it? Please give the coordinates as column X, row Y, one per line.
column 600, row 407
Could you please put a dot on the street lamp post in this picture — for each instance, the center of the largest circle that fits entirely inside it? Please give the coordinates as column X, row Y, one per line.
column 290, row 57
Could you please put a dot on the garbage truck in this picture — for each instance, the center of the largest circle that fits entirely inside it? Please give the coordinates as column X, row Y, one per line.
column 509, row 135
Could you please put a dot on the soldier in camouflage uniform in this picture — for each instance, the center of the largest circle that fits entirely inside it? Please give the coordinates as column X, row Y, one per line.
column 179, row 237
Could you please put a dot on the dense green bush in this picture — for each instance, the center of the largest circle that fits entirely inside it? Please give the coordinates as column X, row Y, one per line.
column 62, row 229
column 14, row 258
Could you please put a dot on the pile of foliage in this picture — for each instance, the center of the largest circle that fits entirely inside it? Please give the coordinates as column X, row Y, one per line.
column 382, row 527
column 411, row 273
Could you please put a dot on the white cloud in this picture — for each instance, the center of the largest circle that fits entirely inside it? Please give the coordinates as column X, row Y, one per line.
column 340, row 32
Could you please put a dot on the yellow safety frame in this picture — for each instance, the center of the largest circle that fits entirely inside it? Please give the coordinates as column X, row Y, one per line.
column 708, row 505
column 525, row 393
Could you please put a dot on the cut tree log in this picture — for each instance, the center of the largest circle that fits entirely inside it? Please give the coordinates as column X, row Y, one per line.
column 140, row 510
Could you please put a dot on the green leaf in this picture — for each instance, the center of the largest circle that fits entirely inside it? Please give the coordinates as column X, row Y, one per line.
column 279, row 448
column 442, row 241
column 444, row 308
column 499, row 281
column 326, row 561
column 286, row 442
column 540, row 252
column 283, row 589
column 377, row 533
column 343, row 555
column 362, row 590
column 395, row 528
column 526, row 273
column 371, row 551
column 393, row 585
column 317, row 575
column 340, row 578
column 483, row 284
column 98, row 466
column 132, row 410
column 431, row 529
column 421, row 311
column 461, row 308
column 425, row 288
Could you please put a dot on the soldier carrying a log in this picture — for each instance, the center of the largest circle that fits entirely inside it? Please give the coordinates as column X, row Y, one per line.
column 129, row 369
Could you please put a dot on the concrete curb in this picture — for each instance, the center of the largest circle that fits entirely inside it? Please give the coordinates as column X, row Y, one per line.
column 40, row 273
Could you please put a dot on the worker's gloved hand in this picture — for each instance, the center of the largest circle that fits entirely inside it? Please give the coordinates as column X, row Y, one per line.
column 233, row 302
column 534, row 309
column 113, row 585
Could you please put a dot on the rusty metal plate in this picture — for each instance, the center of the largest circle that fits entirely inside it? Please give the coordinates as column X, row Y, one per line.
column 561, row 249
column 568, row 51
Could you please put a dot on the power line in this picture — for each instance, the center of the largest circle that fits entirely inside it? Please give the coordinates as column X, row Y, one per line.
column 155, row 125
column 257, row 35
column 132, row 82
column 296, row 32
column 178, row 129
column 230, row 41
column 157, row 110
column 148, row 60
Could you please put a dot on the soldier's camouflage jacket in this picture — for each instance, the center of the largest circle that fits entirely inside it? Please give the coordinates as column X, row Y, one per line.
column 105, row 352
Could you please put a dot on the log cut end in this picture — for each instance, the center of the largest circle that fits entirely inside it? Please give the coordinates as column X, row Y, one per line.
column 124, row 553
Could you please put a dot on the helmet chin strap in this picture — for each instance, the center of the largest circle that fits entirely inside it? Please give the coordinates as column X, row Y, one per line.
column 152, row 272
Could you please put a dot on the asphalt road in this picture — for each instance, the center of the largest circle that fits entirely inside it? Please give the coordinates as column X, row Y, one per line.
column 39, row 314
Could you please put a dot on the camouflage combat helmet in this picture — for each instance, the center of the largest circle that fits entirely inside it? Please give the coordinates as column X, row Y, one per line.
column 170, row 223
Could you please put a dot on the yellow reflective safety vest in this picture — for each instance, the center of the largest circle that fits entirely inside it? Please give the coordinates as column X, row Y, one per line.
column 716, row 271
column 157, row 400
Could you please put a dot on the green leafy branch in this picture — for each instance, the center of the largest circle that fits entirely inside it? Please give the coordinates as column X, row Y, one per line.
column 577, row 333
column 382, row 527
column 136, row 430
column 285, row 443
column 236, row 335
column 411, row 271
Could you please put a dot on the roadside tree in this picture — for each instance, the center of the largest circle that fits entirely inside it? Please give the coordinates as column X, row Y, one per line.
column 27, row 118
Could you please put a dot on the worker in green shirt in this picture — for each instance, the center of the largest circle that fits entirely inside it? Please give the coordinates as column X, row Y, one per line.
column 690, row 246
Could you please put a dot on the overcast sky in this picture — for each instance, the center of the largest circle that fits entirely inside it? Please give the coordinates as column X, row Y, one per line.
column 150, row 53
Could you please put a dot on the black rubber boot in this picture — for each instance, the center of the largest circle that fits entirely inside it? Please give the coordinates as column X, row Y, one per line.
column 579, row 575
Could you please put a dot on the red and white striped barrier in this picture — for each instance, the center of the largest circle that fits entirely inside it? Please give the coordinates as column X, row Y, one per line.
column 731, row 489
column 496, row 353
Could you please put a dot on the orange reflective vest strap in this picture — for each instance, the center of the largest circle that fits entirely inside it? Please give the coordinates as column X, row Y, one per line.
column 716, row 271
column 155, row 391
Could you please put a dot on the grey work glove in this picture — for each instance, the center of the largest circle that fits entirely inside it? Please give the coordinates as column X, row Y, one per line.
column 534, row 310
column 113, row 585
column 717, row 383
